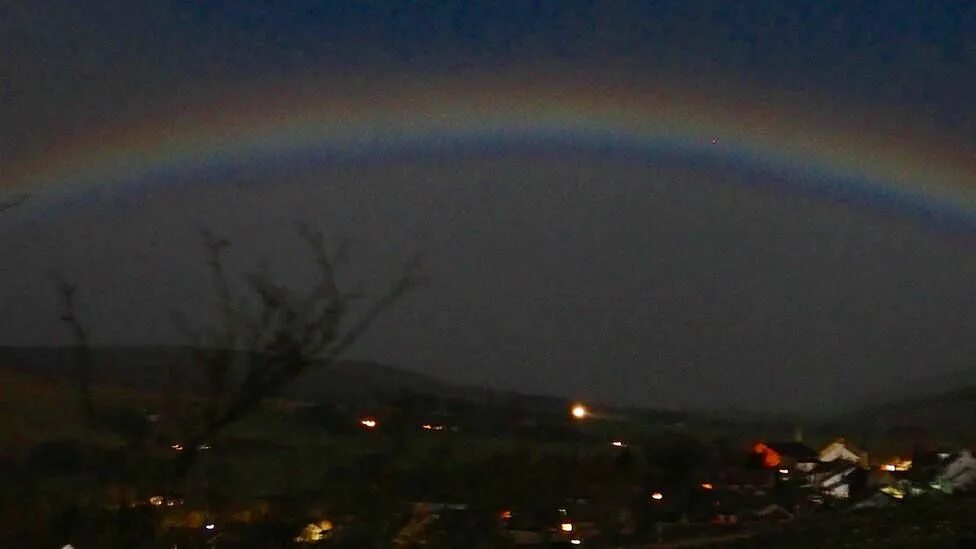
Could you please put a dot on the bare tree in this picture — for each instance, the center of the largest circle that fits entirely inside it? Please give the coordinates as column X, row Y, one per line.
column 13, row 202
column 271, row 335
column 82, row 347
column 264, row 338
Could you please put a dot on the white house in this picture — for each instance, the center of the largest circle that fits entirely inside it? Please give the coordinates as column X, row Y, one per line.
column 958, row 474
column 838, row 484
column 840, row 449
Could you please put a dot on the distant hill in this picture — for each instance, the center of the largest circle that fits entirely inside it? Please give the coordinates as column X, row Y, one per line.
column 165, row 370
column 161, row 369
column 946, row 416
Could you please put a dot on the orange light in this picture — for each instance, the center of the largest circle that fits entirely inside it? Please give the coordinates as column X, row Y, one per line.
column 566, row 527
column 897, row 465
column 368, row 423
column 657, row 496
column 427, row 426
column 579, row 411
column 506, row 515
column 707, row 485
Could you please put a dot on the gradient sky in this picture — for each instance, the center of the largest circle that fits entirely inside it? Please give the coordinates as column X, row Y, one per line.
column 586, row 269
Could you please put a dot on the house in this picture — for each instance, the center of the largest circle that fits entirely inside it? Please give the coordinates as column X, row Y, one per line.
column 844, row 482
column 826, row 471
column 842, row 450
column 959, row 473
column 786, row 455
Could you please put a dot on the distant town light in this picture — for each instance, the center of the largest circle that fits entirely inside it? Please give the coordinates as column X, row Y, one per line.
column 177, row 446
column 506, row 515
column 618, row 444
column 157, row 500
column 427, row 426
column 707, row 485
column 209, row 526
column 315, row 531
column 894, row 492
column 368, row 422
column 657, row 496
column 784, row 471
column 579, row 411
column 576, row 542
column 897, row 464
column 566, row 527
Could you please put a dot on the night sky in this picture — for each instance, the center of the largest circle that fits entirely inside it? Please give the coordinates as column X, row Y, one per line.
column 767, row 206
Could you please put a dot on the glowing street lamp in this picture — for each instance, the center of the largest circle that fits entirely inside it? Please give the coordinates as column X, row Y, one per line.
column 566, row 527
column 368, row 423
column 657, row 496
column 579, row 411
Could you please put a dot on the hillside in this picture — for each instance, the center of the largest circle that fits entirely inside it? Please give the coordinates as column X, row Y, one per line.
column 947, row 417
column 162, row 369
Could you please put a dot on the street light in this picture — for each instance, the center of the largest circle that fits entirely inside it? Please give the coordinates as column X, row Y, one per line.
column 579, row 411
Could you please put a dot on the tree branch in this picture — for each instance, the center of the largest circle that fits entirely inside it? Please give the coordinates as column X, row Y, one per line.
column 82, row 347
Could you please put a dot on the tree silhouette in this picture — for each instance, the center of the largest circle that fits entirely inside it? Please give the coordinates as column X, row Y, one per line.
column 266, row 336
column 13, row 202
column 270, row 335
column 82, row 348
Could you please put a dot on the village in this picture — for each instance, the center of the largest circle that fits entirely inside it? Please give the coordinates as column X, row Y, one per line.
column 564, row 483
column 734, row 499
